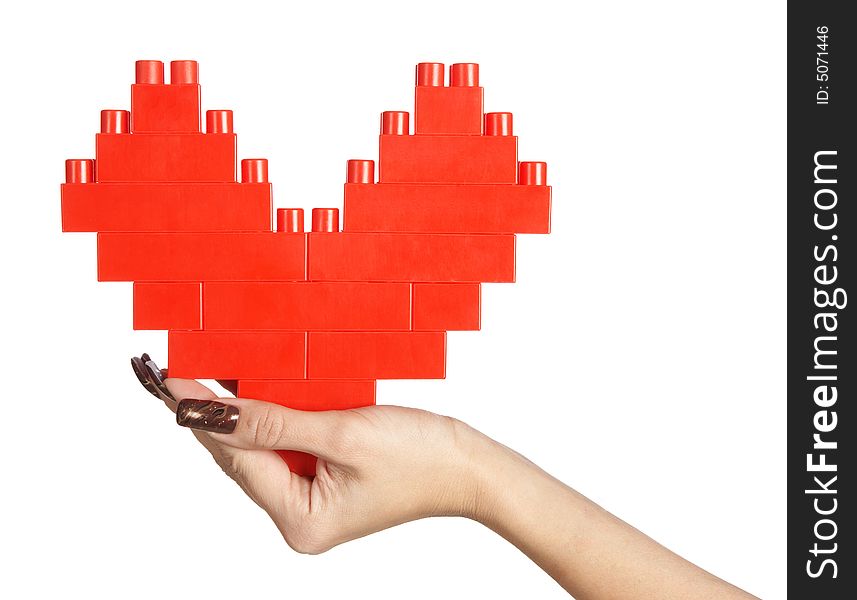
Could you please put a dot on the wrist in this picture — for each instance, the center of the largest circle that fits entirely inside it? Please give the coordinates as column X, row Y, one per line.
column 490, row 472
column 511, row 495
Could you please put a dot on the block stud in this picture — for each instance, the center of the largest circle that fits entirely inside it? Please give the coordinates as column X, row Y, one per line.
column 290, row 220
column 464, row 75
column 115, row 121
column 360, row 171
column 325, row 220
column 149, row 71
column 254, row 170
column 79, row 170
column 218, row 121
column 498, row 123
column 533, row 173
column 430, row 74
column 394, row 122
column 184, row 71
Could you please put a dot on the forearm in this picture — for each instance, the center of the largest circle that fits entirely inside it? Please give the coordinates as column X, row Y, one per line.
column 588, row 551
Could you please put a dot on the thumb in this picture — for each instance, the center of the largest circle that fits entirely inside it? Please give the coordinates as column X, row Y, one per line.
column 253, row 424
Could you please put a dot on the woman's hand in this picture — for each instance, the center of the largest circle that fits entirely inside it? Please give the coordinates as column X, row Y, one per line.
column 383, row 465
column 378, row 466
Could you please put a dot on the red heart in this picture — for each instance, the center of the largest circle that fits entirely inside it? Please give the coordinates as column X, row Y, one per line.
column 308, row 320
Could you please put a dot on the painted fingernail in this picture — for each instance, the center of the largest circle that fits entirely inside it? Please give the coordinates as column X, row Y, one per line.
column 156, row 376
column 151, row 377
column 207, row 415
column 140, row 371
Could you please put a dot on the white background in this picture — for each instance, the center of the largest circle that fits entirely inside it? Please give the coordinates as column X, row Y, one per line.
column 640, row 357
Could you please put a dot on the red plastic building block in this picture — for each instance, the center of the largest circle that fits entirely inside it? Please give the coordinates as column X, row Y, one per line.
column 448, row 159
column 446, row 306
column 300, row 463
column 166, row 207
column 266, row 256
column 163, row 108
column 447, row 208
column 165, row 157
column 438, row 109
column 410, row 257
column 376, row 355
column 309, row 394
column 237, row 354
column 167, row 305
column 307, row 306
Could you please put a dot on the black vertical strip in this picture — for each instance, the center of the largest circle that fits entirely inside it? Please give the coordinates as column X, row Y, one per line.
column 822, row 369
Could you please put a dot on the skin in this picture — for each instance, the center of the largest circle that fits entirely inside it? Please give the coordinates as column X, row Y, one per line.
column 384, row 465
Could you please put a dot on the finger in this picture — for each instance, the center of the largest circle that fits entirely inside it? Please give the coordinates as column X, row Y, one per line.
column 263, row 476
column 188, row 388
column 255, row 425
column 184, row 388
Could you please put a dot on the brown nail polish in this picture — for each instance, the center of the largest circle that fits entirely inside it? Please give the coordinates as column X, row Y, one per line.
column 151, row 377
column 156, row 376
column 207, row 415
column 139, row 368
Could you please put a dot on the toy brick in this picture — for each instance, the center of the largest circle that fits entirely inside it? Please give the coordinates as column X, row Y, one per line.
column 376, row 355
column 167, row 306
column 447, row 208
column 410, row 257
column 307, row 306
column 448, row 110
column 447, row 159
column 309, row 394
column 300, row 463
column 265, row 256
column 165, row 157
column 446, row 307
column 160, row 108
column 237, row 354
column 166, row 207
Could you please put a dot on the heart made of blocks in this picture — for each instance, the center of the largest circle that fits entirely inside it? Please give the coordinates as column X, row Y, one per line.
column 309, row 320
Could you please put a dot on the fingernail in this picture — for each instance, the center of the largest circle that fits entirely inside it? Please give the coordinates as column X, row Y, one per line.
column 151, row 377
column 142, row 376
column 207, row 415
column 157, row 378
